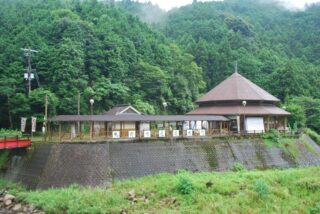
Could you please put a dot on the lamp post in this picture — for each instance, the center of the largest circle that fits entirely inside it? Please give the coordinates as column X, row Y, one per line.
column 165, row 104
column 91, row 126
column 244, row 103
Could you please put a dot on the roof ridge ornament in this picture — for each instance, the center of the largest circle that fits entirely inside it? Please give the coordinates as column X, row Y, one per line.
column 236, row 67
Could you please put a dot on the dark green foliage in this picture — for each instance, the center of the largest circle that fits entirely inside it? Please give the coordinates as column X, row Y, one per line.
column 185, row 185
column 93, row 48
column 4, row 158
column 98, row 49
column 308, row 108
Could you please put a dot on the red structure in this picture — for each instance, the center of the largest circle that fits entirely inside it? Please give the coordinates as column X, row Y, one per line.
column 12, row 143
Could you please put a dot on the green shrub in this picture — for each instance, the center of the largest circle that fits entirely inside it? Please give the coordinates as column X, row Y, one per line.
column 4, row 157
column 10, row 132
column 262, row 188
column 313, row 135
column 315, row 209
column 238, row 167
column 272, row 135
column 311, row 184
column 185, row 185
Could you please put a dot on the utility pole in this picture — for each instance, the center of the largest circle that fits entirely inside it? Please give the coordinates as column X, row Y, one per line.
column 46, row 110
column 29, row 76
column 45, row 117
column 78, row 112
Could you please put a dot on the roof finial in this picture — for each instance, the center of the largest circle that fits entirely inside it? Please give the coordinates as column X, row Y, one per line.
column 236, row 67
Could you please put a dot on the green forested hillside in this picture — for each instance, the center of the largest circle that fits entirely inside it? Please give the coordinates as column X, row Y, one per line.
column 93, row 48
column 276, row 48
column 99, row 49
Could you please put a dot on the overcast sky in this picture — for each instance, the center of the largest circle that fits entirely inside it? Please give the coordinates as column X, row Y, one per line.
column 168, row 4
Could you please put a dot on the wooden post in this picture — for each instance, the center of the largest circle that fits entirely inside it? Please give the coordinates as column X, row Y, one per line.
column 120, row 129
column 220, row 123
column 79, row 112
column 285, row 123
column 49, row 132
column 59, row 132
column 268, row 122
column 46, row 117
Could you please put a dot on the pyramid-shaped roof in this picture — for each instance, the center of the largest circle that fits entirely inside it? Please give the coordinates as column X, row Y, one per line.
column 237, row 87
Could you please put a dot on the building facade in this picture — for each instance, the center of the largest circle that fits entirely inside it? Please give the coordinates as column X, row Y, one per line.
column 250, row 108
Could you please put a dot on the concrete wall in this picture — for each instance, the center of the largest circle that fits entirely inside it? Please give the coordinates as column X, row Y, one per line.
column 98, row 164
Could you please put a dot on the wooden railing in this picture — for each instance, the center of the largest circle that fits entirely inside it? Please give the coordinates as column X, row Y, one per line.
column 125, row 134
column 11, row 142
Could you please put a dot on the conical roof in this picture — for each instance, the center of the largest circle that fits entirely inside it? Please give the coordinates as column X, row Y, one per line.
column 237, row 87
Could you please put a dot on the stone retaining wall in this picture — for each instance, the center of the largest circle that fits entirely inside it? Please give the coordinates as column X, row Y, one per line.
column 98, row 164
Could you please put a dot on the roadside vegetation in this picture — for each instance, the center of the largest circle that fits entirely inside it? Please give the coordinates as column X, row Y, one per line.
column 271, row 191
column 288, row 144
column 314, row 135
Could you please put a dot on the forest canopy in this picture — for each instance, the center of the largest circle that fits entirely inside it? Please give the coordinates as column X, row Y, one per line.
column 115, row 52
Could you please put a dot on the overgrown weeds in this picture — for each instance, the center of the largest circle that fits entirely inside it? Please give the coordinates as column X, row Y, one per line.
column 314, row 135
column 280, row 191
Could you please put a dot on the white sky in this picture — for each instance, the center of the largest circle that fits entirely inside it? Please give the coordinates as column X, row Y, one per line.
column 168, row 4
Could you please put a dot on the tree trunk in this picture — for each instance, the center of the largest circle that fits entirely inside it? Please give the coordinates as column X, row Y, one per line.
column 10, row 118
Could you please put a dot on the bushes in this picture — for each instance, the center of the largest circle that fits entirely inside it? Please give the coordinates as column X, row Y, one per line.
column 314, row 135
column 238, row 167
column 185, row 185
column 273, row 135
column 4, row 157
column 9, row 132
column 262, row 188
column 315, row 209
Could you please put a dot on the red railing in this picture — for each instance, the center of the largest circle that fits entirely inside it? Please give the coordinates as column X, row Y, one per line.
column 9, row 142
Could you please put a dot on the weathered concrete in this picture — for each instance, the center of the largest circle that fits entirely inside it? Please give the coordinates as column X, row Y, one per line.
column 98, row 164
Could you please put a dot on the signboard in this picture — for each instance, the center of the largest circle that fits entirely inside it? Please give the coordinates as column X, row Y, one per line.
column 175, row 133
column 23, row 124
column 198, row 125
column 189, row 133
column 26, row 76
column 202, row 132
column 146, row 134
column 132, row 134
column 162, row 133
column 254, row 125
column 116, row 134
column 33, row 124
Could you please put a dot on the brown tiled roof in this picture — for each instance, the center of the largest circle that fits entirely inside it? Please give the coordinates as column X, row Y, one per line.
column 237, row 87
column 118, row 109
column 239, row 110
column 123, row 118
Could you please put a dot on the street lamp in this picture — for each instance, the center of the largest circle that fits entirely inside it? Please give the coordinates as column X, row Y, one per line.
column 165, row 104
column 91, row 126
column 244, row 103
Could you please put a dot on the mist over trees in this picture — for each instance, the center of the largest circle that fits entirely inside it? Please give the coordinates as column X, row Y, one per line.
column 115, row 52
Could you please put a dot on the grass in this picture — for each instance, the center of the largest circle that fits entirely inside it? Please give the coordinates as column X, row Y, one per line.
column 289, row 146
column 313, row 135
column 270, row 191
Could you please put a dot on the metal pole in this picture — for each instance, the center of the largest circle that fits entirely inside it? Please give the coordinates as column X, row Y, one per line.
column 46, row 117
column 29, row 73
column 79, row 112
column 91, row 128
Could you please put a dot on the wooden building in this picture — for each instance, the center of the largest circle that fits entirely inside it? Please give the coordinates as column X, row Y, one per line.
column 250, row 108
column 124, row 121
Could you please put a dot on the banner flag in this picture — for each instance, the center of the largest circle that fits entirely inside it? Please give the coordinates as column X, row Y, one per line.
column 23, row 124
column 33, row 124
